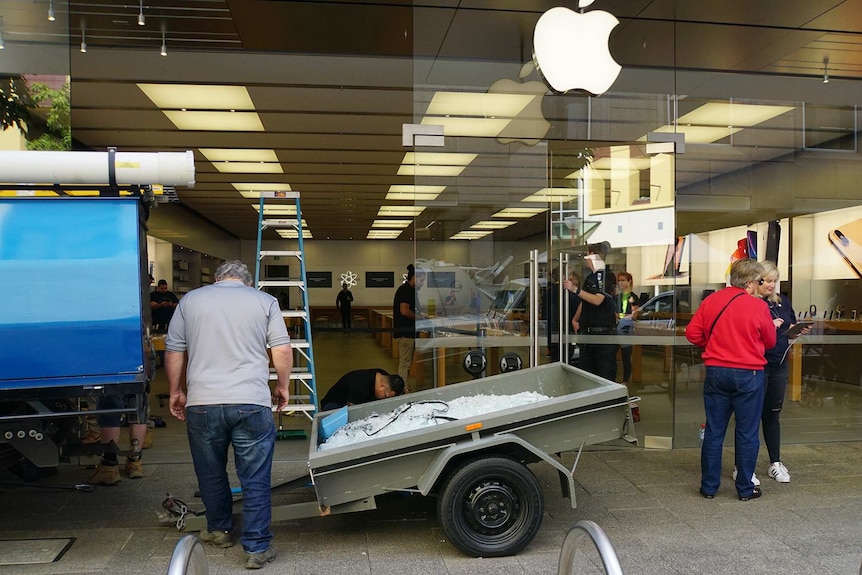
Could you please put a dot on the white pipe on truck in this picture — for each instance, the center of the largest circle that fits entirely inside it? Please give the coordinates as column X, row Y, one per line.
column 132, row 168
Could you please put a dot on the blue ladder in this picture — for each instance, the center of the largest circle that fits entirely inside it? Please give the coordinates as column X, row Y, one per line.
column 303, row 397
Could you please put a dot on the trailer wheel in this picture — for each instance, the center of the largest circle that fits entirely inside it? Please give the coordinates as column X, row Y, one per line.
column 491, row 507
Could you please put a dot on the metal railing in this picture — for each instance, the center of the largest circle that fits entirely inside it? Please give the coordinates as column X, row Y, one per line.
column 189, row 557
column 606, row 550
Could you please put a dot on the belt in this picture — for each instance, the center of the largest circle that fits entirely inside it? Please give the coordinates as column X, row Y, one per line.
column 600, row 330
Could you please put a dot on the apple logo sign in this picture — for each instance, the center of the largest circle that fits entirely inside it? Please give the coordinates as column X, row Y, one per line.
column 571, row 50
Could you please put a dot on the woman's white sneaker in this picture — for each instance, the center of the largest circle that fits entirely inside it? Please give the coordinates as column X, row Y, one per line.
column 754, row 480
column 778, row 472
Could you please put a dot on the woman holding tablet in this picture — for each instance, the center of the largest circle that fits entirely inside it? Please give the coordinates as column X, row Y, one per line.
column 775, row 371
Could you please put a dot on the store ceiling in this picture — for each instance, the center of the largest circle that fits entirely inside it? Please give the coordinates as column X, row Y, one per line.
column 333, row 82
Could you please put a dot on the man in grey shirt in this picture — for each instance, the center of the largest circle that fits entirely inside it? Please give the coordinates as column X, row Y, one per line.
column 224, row 330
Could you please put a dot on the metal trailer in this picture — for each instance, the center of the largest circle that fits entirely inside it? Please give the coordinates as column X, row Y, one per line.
column 489, row 503
column 74, row 320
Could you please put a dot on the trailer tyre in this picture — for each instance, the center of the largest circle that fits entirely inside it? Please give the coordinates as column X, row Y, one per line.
column 491, row 507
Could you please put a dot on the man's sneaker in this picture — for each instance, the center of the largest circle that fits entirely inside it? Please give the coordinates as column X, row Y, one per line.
column 778, row 472
column 216, row 538
column 105, row 475
column 754, row 478
column 134, row 469
column 258, row 560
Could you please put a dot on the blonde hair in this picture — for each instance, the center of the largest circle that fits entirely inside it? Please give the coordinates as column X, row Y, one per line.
column 769, row 270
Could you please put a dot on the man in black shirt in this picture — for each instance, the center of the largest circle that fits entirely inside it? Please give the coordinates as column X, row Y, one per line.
column 404, row 314
column 596, row 316
column 162, row 303
column 362, row 386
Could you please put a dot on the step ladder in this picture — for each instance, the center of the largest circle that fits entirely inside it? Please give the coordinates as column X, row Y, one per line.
column 303, row 396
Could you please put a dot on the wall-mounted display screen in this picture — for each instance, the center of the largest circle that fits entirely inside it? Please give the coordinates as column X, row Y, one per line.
column 319, row 279
column 380, row 279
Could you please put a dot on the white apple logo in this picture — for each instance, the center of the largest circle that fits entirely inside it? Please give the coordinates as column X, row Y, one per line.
column 571, row 50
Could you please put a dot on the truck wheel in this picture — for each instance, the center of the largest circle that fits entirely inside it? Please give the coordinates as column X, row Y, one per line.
column 491, row 507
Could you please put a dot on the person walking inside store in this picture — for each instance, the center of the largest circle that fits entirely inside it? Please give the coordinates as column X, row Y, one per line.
column 596, row 316
column 734, row 328
column 342, row 302
column 775, row 371
column 405, row 311
column 220, row 334
column 627, row 304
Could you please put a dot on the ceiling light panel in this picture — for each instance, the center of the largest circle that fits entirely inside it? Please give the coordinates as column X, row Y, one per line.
column 401, row 211
column 518, row 212
column 391, row 224
column 241, row 155
column 699, row 134
column 728, row 114
column 478, row 105
column 470, row 235
column 215, row 121
column 430, row 170
column 492, row 225
column 438, row 158
column 197, row 97
column 254, row 190
column 293, row 234
column 552, row 195
column 412, row 196
column 248, row 167
column 383, row 234
column 468, row 127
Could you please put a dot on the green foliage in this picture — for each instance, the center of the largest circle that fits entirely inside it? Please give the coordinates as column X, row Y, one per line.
column 58, row 135
column 42, row 113
column 15, row 103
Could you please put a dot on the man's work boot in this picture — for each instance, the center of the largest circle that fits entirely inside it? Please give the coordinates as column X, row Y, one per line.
column 105, row 475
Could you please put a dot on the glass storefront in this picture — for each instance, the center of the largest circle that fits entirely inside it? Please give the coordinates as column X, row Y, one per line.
column 681, row 170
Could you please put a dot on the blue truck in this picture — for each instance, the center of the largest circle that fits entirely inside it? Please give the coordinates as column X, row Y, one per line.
column 74, row 316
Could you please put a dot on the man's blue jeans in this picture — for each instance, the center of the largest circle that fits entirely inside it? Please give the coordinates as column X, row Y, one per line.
column 739, row 391
column 251, row 431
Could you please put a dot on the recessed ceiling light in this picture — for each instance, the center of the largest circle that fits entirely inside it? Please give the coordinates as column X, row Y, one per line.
column 468, row 127
column 198, row 97
column 546, row 195
column 248, row 167
column 518, row 212
column 477, row 105
column 391, row 224
column 492, row 225
column 470, row 235
column 400, row 211
column 443, row 171
column 383, row 234
column 438, row 158
column 730, row 114
column 238, row 155
column 215, row 121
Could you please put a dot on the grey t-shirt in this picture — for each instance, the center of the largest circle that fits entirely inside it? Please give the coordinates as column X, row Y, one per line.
column 226, row 328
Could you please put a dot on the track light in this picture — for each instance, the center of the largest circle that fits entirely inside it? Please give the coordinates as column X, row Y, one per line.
column 164, row 51
column 51, row 11
column 826, row 69
column 83, row 41
column 141, row 21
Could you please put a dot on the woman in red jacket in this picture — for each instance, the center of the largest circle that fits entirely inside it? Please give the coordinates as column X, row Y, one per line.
column 735, row 329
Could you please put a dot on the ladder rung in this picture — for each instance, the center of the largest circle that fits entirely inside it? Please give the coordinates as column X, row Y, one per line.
column 294, row 374
column 293, row 313
column 288, row 223
column 296, row 407
column 273, row 253
column 299, row 343
column 280, row 283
